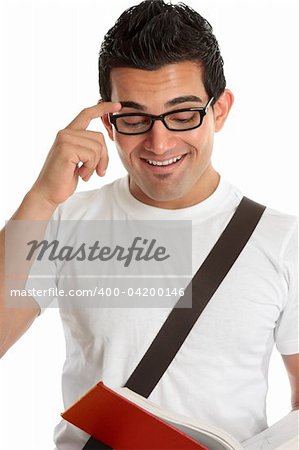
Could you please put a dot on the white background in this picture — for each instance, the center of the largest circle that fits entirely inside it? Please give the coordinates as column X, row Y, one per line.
column 49, row 52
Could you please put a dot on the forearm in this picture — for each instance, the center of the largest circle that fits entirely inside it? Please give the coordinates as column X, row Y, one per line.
column 33, row 214
column 291, row 363
column 33, row 208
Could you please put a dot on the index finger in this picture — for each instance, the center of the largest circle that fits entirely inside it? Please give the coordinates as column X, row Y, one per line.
column 83, row 119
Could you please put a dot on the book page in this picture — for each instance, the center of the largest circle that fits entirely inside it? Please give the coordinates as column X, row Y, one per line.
column 203, row 433
column 212, row 441
column 283, row 434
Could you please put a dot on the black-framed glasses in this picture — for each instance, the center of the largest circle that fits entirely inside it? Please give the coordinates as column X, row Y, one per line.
column 183, row 119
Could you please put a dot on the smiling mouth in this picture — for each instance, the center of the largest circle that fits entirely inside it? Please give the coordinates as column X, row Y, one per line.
column 166, row 162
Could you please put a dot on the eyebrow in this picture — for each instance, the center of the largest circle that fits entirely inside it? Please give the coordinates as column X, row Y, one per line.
column 173, row 102
column 184, row 99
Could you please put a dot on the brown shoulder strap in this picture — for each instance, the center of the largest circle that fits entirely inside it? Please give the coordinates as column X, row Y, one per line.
column 204, row 284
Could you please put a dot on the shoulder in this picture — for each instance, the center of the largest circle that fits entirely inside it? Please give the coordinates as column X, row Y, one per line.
column 276, row 234
column 87, row 204
column 276, row 238
column 274, row 226
column 278, row 226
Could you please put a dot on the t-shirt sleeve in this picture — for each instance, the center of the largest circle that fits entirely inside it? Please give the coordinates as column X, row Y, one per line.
column 42, row 287
column 286, row 331
column 41, row 283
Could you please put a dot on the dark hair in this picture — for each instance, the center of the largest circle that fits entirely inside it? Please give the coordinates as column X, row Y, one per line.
column 155, row 33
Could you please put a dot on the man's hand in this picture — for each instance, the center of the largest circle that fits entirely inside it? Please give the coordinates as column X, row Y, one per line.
column 73, row 145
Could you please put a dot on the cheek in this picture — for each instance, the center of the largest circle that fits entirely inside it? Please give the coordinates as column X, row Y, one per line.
column 205, row 135
column 200, row 139
column 126, row 145
column 124, row 149
column 121, row 144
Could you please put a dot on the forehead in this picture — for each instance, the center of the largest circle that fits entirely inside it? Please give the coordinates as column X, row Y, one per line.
column 151, row 87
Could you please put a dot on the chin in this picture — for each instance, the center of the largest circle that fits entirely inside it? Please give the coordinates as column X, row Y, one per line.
column 147, row 192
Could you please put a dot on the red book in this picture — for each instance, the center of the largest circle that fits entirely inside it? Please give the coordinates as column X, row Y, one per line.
column 117, row 420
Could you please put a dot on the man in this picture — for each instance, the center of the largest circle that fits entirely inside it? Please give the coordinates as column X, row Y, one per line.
column 162, row 60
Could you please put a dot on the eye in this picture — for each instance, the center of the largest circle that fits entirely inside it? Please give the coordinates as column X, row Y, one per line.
column 183, row 117
column 134, row 121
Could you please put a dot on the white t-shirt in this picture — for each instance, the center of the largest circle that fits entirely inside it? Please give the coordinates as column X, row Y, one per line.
column 220, row 374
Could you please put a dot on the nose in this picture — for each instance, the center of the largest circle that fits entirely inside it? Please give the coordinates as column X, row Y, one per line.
column 159, row 139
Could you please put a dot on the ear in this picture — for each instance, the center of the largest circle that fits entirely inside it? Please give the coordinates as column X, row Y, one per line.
column 107, row 125
column 222, row 108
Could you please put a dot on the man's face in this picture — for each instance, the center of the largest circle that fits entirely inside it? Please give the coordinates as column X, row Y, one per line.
column 188, row 180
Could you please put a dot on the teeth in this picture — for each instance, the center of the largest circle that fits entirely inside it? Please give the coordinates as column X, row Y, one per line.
column 163, row 163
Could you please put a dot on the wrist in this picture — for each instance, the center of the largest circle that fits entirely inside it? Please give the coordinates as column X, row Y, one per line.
column 37, row 206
